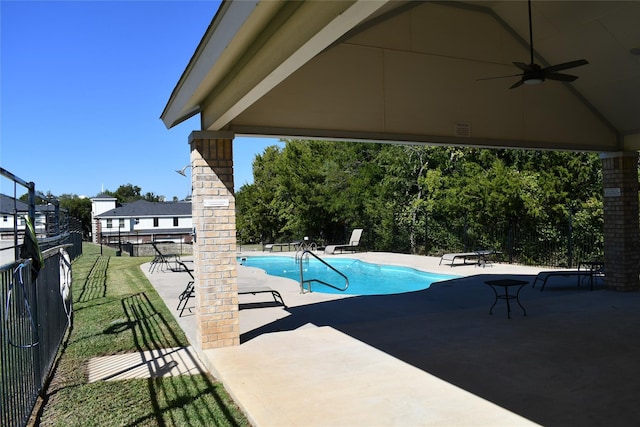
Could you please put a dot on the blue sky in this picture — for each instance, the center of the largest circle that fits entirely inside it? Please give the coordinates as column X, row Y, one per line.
column 82, row 87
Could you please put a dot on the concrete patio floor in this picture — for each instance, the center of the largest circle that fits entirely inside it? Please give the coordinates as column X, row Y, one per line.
column 434, row 357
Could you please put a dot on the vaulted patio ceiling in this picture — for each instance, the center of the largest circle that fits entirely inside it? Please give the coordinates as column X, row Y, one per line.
column 397, row 71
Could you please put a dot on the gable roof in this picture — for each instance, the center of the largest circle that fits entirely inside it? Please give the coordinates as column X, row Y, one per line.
column 397, row 71
column 142, row 208
column 7, row 205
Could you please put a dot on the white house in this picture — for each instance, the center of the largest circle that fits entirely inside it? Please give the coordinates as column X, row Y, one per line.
column 140, row 221
column 13, row 211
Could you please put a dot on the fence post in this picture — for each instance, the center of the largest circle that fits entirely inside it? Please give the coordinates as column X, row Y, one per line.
column 465, row 235
column 32, row 203
column 510, row 241
column 570, row 237
column 56, row 225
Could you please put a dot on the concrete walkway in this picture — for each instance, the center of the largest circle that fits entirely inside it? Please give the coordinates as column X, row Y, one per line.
column 434, row 357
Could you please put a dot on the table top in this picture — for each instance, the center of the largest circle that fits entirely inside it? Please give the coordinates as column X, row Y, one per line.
column 506, row 282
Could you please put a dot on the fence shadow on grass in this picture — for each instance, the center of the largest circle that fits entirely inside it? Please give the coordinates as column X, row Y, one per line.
column 95, row 285
column 152, row 332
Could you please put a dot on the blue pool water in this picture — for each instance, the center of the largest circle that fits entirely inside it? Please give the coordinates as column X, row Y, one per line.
column 364, row 278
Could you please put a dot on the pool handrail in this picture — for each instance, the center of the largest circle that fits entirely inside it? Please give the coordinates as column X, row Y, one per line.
column 302, row 281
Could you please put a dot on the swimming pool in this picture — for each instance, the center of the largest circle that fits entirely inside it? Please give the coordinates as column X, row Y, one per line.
column 364, row 278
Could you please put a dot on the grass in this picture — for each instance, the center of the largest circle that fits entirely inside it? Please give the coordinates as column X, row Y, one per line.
column 116, row 310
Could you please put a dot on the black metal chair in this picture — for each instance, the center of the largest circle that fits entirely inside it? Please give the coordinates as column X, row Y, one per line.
column 189, row 290
column 161, row 260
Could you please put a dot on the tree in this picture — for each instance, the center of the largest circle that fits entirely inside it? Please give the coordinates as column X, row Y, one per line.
column 79, row 208
column 257, row 219
column 419, row 199
column 130, row 193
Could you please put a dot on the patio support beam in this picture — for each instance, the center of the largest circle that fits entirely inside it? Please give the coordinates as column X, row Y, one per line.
column 621, row 226
column 214, row 219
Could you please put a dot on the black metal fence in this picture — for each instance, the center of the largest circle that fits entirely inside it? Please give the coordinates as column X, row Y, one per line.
column 35, row 311
column 545, row 246
column 35, row 317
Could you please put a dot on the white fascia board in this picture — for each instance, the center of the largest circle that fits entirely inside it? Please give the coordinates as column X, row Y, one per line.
column 230, row 18
column 335, row 27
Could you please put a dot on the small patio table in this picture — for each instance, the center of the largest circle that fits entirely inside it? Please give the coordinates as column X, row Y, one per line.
column 506, row 284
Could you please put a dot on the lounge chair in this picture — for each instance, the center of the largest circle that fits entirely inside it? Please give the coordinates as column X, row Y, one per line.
column 580, row 274
column 479, row 257
column 161, row 260
column 190, row 292
column 354, row 241
column 259, row 289
column 269, row 247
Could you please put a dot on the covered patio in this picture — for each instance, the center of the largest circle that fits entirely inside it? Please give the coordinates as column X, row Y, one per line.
column 407, row 72
column 434, row 357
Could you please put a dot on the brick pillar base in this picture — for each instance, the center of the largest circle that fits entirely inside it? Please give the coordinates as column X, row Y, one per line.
column 214, row 218
column 621, row 226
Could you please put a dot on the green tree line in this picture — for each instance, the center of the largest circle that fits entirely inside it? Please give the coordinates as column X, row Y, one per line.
column 420, row 199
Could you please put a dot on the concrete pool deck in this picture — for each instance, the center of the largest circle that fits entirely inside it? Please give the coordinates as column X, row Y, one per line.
column 433, row 357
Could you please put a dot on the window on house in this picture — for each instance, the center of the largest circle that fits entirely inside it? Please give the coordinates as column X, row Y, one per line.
column 5, row 218
column 175, row 221
column 121, row 223
column 109, row 223
column 155, row 222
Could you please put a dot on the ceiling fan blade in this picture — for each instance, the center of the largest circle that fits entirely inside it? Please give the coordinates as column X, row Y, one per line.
column 517, row 84
column 533, row 73
column 527, row 68
column 499, row 77
column 561, row 77
column 566, row 66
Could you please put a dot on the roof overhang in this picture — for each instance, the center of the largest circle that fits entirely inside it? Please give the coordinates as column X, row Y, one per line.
column 405, row 71
column 251, row 46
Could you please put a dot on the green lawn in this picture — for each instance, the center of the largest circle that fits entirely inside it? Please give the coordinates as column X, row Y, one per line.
column 116, row 310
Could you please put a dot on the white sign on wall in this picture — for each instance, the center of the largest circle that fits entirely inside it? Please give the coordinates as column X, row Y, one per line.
column 216, row 203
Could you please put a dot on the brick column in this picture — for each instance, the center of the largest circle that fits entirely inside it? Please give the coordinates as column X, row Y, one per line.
column 214, row 218
column 621, row 225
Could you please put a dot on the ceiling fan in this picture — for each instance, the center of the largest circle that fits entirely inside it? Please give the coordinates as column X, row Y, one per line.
column 533, row 73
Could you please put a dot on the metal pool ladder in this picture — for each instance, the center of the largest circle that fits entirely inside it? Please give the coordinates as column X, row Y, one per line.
column 308, row 282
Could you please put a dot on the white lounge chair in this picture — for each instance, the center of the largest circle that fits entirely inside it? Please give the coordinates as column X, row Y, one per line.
column 354, row 241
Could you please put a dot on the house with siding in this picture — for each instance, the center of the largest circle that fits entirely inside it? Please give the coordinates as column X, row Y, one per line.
column 13, row 211
column 140, row 221
column 10, row 211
